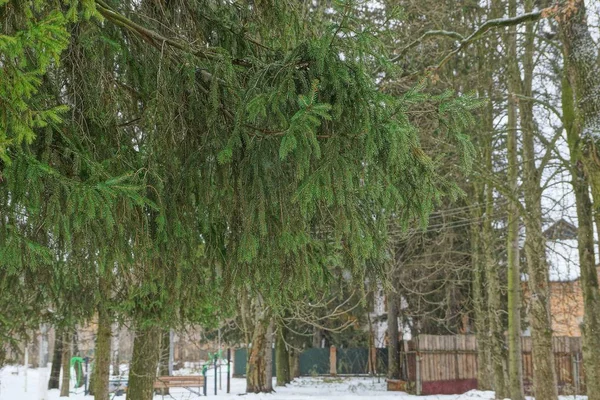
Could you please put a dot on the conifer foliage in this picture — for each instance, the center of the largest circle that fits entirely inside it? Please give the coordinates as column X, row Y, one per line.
column 159, row 153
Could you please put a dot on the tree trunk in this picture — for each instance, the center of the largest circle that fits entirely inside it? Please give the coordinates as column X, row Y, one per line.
column 163, row 361
column 585, row 239
column 491, row 267
column 515, row 362
column 282, row 357
column 101, row 369
column 393, row 371
column 544, row 373
column 92, row 383
column 256, row 371
column 269, row 358
column 317, row 337
column 115, row 350
column 480, row 303
column 65, row 385
column 492, row 279
column 79, row 381
column 54, row 381
column 294, row 363
column 144, row 362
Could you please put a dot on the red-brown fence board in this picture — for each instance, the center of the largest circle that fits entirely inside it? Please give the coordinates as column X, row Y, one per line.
column 448, row 364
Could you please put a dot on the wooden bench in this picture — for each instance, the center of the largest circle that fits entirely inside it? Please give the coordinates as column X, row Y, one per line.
column 184, row 381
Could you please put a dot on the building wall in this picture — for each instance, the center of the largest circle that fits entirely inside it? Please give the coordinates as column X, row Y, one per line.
column 566, row 306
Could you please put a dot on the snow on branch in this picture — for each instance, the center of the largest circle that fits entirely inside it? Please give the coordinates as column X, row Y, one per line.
column 465, row 41
column 450, row 34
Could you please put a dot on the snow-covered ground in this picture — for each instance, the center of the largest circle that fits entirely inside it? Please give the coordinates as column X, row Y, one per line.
column 12, row 387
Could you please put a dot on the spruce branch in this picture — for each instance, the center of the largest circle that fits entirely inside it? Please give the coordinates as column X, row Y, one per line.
column 156, row 39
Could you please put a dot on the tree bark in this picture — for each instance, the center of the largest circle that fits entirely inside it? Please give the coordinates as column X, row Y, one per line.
column 101, row 369
column 544, row 373
column 163, row 361
column 115, row 349
column 317, row 337
column 92, row 383
column 54, row 381
column 515, row 362
column 65, row 385
column 480, row 303
column 144, row 363
column 393, row 371
column 294, row 363
column 585, row 239
column 491, row 266
column 269, row 358
column 282, row 357
column 492, row 279
column 256, row 371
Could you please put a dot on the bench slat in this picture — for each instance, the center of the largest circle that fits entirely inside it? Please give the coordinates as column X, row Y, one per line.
column 164, row 382
column 181, row 377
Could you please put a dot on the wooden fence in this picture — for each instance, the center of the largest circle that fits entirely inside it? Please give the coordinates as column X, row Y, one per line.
column 433, row 364
column 448, row 364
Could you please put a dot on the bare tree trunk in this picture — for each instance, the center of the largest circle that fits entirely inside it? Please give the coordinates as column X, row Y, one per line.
column 294, row 363
column 317, row 337
column 163, row 360
column 65, row 386
column 492, row 277
column 92, row 384
column 480, row 301
column 54, row 381
column 515, row 361
column 144, row 362
column 116, row 331
column 101, row 369
column 256, row 371
column 575, row 88
column 589, row 283
column 282, row 357
column 544, row 373
column 269, row 357
column 393, row 371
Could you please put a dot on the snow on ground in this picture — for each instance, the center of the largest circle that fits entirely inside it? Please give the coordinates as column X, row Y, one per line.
column 12, row 387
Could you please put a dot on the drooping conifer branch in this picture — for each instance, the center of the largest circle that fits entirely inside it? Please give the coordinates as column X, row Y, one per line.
column 156, row 39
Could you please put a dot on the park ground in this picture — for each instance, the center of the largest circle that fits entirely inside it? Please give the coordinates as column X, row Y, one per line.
column 12, row 387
